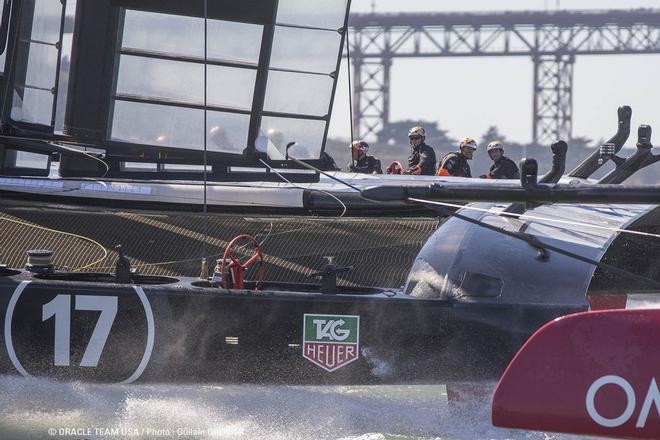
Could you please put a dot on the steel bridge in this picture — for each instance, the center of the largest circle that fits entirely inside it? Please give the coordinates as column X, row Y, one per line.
column 552, row 39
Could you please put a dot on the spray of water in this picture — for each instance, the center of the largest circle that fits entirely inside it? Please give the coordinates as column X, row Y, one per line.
column 38, row 408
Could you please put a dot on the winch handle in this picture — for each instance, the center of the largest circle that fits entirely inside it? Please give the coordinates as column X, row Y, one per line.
column 237, row 268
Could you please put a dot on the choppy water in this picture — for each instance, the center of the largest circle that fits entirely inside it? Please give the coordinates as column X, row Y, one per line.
column 39, row 408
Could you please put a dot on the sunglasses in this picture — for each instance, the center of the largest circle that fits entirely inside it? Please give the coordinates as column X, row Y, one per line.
column 414, row 138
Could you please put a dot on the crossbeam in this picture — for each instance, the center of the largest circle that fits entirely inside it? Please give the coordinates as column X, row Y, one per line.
column 544, row 35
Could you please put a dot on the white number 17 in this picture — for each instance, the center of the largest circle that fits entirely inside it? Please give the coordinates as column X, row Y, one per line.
column 60, row 308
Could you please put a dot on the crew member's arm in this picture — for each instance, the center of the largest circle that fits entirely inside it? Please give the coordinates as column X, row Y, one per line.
column 423, row 162
column 497, row 171
column 492, row 169
column 505, row 169
column 445, row 167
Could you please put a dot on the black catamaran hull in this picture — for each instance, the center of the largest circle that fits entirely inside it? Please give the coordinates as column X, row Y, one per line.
column 181, row 333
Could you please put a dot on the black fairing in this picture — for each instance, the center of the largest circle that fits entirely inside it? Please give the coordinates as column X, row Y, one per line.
column 638, row 254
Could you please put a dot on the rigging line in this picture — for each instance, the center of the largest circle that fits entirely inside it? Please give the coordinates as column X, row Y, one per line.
column 188, row 260
column 313, row 168
column 538, row 218
column 311, row 189
column 36, row 139
column 105, row 251
column 205, row 209
column 541, row 246
column 167, row 263
column 270, row 231
column 240, row 248
column 270, row 234
column 84, row 153
column 350, row 88
column 291, row 231
column 57, row 142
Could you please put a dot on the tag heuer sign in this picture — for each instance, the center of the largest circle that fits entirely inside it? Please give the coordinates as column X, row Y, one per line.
column 331, row 341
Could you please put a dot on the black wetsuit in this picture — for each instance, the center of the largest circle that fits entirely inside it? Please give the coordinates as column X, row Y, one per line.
column 366, row 165
column 424, row 157
column 504, row 168
column 456, row 165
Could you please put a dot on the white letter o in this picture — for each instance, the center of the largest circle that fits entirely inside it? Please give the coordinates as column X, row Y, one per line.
column 630, row 397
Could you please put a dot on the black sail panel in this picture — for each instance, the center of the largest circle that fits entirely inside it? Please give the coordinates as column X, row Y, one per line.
column 93, row 39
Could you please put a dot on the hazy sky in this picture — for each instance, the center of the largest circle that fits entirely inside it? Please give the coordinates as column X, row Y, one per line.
column 499, row 89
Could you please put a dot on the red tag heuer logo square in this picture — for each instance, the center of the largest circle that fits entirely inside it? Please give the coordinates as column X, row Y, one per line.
column 331, row 341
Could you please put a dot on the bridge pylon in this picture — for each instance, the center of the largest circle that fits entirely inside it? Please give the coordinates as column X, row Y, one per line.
column 553, row 98
column 371, row 95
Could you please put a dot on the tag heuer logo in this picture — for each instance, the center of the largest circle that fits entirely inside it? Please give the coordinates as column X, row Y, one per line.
column 331, row 341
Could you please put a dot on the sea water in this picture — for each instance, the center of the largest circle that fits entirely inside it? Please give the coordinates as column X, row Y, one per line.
column 43, row 409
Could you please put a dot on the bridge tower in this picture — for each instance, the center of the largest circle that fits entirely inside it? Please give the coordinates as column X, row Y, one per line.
column 553, row 97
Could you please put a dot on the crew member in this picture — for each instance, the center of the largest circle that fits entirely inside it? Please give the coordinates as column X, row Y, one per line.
column 456, row 164
column 502, row 167
column 361, row 161
column 422, row 157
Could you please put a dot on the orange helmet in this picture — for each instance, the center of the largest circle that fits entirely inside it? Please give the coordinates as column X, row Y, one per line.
column 468, row 142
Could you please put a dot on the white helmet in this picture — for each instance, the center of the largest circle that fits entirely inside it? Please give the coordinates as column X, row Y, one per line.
column 495, row 145
column 359, row 145
column 417, row 131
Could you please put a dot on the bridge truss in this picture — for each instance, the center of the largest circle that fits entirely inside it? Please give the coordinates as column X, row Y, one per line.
column 552, row 39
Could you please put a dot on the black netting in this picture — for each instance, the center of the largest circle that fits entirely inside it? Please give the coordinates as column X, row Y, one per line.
column 380, row 250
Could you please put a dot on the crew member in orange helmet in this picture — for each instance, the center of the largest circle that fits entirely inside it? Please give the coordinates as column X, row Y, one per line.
column 456, row 164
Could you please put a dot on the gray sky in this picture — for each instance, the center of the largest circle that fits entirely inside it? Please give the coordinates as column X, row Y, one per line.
column 500, row 88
